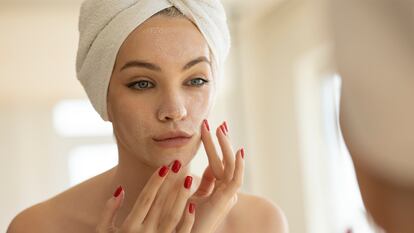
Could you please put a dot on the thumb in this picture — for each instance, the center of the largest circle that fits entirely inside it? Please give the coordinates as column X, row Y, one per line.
column 206, row 184
column 107, row 221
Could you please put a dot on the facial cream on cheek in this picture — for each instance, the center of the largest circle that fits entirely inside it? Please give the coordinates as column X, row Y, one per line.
column 200, row 103
column 138, row 127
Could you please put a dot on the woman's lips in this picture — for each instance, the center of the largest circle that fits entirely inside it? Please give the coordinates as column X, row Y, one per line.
column 173, row 142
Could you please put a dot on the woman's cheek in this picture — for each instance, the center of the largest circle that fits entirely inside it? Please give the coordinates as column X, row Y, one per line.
column 200, row 102
column 198, row 108
column 132, row 116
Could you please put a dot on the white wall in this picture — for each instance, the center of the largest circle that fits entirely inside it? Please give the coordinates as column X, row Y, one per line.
column 271, row 46
column 37, row 69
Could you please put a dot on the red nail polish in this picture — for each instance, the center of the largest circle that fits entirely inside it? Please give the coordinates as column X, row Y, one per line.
column 206, row 124
column 176, row 166
column 225, row 126
column 188, row 181
column 118, row 191
column 191, row 208
column 223, row 129
column 163, row 171
column 242, row 152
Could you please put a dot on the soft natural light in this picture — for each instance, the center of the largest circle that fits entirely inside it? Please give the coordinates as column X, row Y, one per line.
column 88, row 161
column 346, row 195
column 77, row 118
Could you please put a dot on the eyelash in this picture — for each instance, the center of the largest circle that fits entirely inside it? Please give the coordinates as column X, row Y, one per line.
column 133, row 84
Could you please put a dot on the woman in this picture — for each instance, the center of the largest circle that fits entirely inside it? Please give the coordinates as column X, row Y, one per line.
column 157, row 88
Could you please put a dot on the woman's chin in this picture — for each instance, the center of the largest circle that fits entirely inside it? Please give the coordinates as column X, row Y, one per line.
column 167, row 156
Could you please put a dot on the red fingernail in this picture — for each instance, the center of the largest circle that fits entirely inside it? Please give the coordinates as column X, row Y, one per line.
column 188, row 181
column 242, row 152
column 176, row 166
column 206, row 124
column 223, row 129
column 191, row 208
column 225, row 126
column 163, row 171
column 118, row 191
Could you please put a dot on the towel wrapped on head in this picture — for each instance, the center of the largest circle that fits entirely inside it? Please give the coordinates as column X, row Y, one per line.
column 105, row 24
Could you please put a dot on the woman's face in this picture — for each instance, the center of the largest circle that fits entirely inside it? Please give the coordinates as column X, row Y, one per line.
column 162, row 83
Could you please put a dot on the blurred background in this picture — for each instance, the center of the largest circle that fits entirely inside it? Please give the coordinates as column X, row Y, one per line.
column 279, row 97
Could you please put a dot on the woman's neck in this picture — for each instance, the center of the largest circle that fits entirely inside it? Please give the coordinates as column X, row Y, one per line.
column 391, row 205
column 132, row 174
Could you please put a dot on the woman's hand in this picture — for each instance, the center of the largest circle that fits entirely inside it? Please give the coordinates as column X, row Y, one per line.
column 149, row 214
column 221, row 180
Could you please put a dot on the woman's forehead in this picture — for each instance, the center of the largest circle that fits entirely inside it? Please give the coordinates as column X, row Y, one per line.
column 165, row 38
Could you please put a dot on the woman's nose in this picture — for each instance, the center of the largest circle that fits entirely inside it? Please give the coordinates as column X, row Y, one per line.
column 172, row 108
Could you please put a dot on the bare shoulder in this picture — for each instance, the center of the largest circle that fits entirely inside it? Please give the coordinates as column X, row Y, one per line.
column 257, row 214
column 68, row 211
column 32, row 219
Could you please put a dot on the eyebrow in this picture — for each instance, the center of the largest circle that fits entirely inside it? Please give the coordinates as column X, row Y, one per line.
column 154, row 67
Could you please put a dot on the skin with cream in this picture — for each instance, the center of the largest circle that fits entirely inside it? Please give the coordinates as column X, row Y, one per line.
column 170, row 99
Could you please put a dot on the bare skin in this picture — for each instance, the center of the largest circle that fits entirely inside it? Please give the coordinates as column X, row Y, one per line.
column 377, row 113
column 78, row 210
column 390, row 204
column 172, row 91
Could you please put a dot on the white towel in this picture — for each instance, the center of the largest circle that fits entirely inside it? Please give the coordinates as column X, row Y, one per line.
column 105, row 24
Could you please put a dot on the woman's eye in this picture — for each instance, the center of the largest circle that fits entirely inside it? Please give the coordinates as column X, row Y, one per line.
column 142, row 84
column 197, row 82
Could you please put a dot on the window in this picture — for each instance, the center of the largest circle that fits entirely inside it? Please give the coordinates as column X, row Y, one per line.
column 88, row 140
column 90, row 160
column 77, row 118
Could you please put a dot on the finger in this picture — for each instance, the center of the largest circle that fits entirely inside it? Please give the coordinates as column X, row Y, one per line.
column 227, row 150
column 189, row 217
column 165, row 197
column 228, row 195
column 207, row 183
column 213, row 158
column 146, row 197
column 174, row 215
column 237, row 181
column 107, row 222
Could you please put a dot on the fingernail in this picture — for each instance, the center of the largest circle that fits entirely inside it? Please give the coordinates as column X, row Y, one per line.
column 223, row 129
column 163, row 171
column 242, row 152
column 118, row 191
column 191, row 208
column 225, row 126
column 188, row 181
column 176, row 166
column 206, row 124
